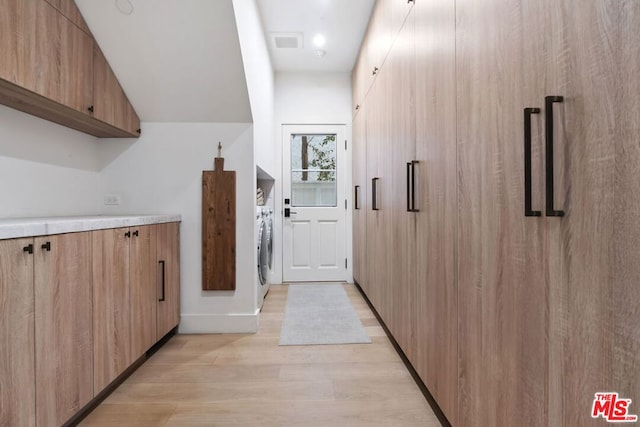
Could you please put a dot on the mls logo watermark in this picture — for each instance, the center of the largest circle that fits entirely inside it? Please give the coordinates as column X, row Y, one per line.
column 612, row 408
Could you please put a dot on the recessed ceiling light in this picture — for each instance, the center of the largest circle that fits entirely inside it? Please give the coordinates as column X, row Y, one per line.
column 320, row 53
column 124, row 6
column 319, row 40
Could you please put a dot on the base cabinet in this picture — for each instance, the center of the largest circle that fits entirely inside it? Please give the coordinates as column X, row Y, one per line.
column 168, row 283
column 64, row 337
column 76, row 310
column 47, row 349
column 17, row 334
column 128, row 319
column 111, row 301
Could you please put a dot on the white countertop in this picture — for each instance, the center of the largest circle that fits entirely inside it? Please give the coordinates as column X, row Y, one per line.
column 12, row 228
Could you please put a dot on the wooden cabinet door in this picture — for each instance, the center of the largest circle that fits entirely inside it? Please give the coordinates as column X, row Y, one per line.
column 593, row 62
column 142, row 288
column 61, row 67
column 374, row 49
column 399, row 151
column 435, row 291
column 379, row 198
column 399, row 11
column 64, row 345
column 17, row 337
column 17, row 37
column 112, row 306
column 502, row 288
column 70, row 11
column 357, row 82
column 168, row 282
column 110, row 104
column 359, row 179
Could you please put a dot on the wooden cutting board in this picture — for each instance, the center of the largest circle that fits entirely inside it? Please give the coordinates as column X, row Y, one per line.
column 218, row 228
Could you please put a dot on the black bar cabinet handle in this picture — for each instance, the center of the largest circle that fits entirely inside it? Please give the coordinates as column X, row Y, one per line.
column 527, row 162
column 136, row 233
column 28, row 249
column 548, row 105
column 162, row 263
column 127, row 234
column 355, row 197
column 413, row 186
column 408, row 186
column 46, row 246
column 374, row 194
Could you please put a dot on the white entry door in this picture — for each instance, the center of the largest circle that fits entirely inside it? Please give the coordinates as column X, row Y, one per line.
column 314, row 171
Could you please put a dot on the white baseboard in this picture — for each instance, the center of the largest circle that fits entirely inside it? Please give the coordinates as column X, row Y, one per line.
column 218, row 323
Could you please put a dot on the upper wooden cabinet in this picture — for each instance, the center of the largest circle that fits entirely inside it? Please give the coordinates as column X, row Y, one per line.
column 17, row 36
column 69, row 9
column 59, row 70
column 110, row 103
column 48, row 69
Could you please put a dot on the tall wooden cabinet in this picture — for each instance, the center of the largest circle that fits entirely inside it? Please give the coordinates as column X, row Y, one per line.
column 503, row 254
column 593, row 63
column 435, row 292
column 400, row 167
column 501, row 279
column 360, row 188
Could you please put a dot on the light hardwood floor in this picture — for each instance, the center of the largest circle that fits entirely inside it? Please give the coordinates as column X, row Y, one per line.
column 246, row 380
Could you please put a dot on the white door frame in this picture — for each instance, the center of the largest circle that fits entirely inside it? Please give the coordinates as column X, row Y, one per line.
column 342, row 171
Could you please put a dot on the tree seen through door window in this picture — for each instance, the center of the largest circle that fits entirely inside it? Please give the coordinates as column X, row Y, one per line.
column 313, row 170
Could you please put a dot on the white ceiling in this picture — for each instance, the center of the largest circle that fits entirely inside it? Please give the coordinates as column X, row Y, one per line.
column 342, row 22
column 178, row 61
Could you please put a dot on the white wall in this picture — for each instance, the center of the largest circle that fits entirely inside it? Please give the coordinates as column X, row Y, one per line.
column 260, row 81
column 162, row 173
column 310, row 98
column 46, row 169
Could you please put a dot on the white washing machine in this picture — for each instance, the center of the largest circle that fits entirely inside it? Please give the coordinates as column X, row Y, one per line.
column 260, row 231
column 264, row 250
column 269, row 222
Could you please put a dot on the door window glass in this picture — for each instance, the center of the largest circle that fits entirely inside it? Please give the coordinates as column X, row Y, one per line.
column 313, row 170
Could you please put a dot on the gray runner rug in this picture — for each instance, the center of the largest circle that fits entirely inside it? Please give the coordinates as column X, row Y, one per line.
column 320, row 314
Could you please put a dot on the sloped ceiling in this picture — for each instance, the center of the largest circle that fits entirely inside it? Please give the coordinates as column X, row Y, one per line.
column 177, row 60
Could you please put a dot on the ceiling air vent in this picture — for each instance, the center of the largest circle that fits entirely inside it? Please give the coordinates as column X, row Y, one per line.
column 287, row 40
